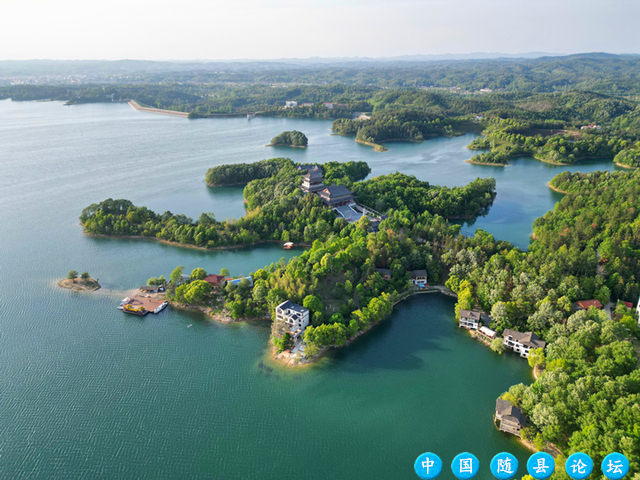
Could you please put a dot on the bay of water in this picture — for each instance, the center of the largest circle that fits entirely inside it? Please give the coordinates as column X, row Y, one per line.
column 88, row 392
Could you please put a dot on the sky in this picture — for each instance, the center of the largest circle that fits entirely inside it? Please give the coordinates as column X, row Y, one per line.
column 270, row 29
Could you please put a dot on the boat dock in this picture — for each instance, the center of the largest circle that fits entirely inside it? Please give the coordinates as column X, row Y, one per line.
column 139, row 305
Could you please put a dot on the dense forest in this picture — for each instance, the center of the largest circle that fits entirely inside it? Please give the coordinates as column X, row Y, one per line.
column 399, row 191
column 277, row 208
column 587, row 396
column 598, row 72
column 292, row 138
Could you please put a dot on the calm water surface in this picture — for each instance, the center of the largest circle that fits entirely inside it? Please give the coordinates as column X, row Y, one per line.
column 87, row 392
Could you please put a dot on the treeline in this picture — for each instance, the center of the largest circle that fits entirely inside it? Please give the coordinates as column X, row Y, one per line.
column 508, row 138
column 586, row 248
column 292, row 138
column 401, row 125
column 398, row 191
column 241, row 173
column 587, row 400
column 338, row 173
column 599, row 72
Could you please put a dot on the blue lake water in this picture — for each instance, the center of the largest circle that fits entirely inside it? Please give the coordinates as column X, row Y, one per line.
column 88, row 392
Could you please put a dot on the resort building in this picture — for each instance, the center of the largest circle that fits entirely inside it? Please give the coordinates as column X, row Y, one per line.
column 290, row 104
column 152, row 288
column 419, row 277
column 328, row 105
column 313, row 180
column 511, row 418
column 587, row 304
column 385, row 273
column 307, row 104
column 522, row 343
column 295, row 316
column 336, row 195
column 214, row 280
column 487, row 333
column 470, row 320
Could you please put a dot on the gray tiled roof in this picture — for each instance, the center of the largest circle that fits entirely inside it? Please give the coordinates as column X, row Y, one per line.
column 529, row 339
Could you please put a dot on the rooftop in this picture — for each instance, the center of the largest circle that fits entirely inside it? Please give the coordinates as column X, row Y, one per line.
column 336, row 190
column 587, row 304
column 289, row 305
column 529, row 338
column 505, row 409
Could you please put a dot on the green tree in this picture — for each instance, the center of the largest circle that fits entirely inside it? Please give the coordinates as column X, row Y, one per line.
column 497, row 345
column 85, row 276
column 72, row 275
column 313, row 303
column 175, row 275
column 197, row 274
column 536, row 357
column 224, row 272
column 196, row 291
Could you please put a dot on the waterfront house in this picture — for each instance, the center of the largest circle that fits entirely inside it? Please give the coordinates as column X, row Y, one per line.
column 627, row 304
column 307, row 104
column 385, row 273
column 152, row 288
column 487, row 333
column 214, row 280
column 419, row 277
column 522, row 343
column 328, row 105
column 336, row 195
column 470, row 320
column 510, row 418
column 312, row 181
column 587, row 304
column 183, row 278
column 290, row 104
column 295, row 316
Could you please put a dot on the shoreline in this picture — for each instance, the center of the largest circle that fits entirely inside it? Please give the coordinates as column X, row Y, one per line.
column 136, row 106
column 376, row 146
column 285, row 145
column 625, row 166
column 89, row 285
column 472, row 162
column 226, row 185
column 186, row 245
column 556, row 189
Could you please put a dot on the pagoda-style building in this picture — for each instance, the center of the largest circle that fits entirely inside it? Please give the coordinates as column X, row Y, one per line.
column 313, row 180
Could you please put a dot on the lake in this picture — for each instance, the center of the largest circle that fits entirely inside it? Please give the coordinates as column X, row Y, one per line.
column 88, row 392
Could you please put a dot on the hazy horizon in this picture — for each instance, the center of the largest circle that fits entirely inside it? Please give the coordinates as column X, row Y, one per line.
column 271, row 30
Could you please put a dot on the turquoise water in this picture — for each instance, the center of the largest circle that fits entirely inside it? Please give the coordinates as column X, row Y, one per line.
column 87, row 392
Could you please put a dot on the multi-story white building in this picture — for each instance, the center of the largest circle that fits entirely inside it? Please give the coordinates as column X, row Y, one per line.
column 295, row 316
column 522, row 343
column 470, row 320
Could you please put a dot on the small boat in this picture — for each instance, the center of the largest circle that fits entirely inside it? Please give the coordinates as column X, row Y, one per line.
column 190, row 325
column 161, row 307
column 123, row 303
column 288, row 245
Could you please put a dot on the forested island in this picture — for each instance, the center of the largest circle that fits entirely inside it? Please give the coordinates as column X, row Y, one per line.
column 290, row 139
column 277, row 209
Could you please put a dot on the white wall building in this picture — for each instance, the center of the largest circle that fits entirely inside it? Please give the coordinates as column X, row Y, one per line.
column 295, row 316
column 522, row 343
